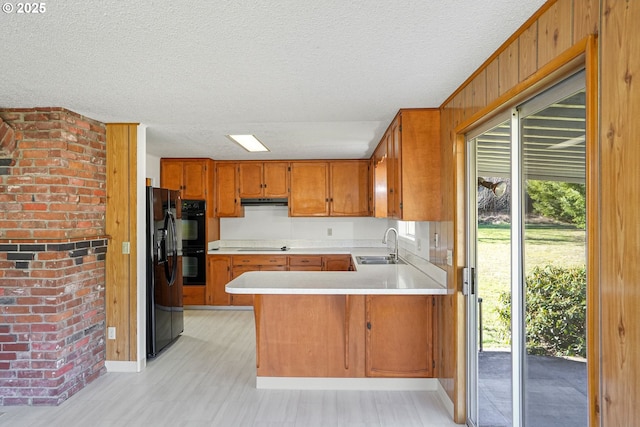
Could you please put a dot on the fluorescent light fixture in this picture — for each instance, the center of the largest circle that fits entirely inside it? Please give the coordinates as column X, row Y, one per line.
column 248, row 142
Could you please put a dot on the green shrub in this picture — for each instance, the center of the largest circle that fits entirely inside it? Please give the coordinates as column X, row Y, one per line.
column 555, row 319
column 562, row 201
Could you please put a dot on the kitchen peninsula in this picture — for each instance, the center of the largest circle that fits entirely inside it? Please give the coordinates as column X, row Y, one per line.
column 370, row 328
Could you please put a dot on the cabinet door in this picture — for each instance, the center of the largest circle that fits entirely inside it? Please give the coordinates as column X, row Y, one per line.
column 380, row 162
column 336, row 262
column 218, row 275
column 349, row 189
column 250, row 176
column 399, row 336
column 420, row 149
column 276, row 179
column 194, row 175
column 171, row 174
column 309, row 189
column 227, row 197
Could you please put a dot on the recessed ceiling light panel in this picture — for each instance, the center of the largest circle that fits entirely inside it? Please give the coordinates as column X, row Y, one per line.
column 248, row 142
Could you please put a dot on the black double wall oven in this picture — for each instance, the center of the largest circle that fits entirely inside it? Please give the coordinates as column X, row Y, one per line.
column 194, row 242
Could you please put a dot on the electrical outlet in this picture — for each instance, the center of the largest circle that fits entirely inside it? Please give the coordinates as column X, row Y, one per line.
column 418, row 244
column 329, row 231
column 449, row 257
column 126, row 248
column 111, row 332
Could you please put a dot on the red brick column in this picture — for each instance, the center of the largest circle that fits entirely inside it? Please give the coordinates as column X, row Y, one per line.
column 52, row 251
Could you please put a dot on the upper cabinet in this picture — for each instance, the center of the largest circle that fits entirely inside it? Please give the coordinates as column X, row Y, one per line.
column 187, row 175
column 228, row 191
column 349, row 188
column 334, row 188
column 264, row 179
column 408, row 159
column 309, row 189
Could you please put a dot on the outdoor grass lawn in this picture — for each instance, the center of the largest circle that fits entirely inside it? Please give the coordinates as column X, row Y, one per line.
column 559, row 245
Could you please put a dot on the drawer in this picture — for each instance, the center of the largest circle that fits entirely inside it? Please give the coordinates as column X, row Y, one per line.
column 259, row 260
column 305, row 261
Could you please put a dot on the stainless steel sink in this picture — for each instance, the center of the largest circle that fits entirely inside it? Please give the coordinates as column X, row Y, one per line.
column 378, row 259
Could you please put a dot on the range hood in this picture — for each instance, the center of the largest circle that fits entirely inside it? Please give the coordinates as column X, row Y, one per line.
column 265, row 202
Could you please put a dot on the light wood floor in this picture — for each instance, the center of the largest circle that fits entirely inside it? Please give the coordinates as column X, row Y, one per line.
column 207, row 378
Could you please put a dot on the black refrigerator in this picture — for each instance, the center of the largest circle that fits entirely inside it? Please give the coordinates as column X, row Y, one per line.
column 165, row 321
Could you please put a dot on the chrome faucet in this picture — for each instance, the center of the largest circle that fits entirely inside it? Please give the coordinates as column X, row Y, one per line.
column 384, row 240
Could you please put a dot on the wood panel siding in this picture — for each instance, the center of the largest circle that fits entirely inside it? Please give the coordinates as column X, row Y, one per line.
column 508, row 71
column 479, row 90
column 555, row 31
column 121, row 214
column 586, row 16
column 493, row 81
column 528, row 44
column 620, row 231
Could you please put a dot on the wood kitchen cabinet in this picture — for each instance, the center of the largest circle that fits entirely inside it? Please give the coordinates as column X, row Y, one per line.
column 305, row 263
column 336, row 262
column 194, row 295
column 228, row 191
column 408, row 158
column 309, row 189
column 380, row 163
column 187, row 175
column 339, row 188
column 218, row 275
column 399, row 322
column 244, row 263
column 264, row 179
column 349, row 188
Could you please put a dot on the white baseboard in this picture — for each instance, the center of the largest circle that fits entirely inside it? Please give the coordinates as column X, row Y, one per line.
column 444, row 398
column 313, row 383
column 119, row 366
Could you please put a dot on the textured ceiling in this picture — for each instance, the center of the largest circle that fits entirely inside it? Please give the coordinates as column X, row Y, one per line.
column 311, row 79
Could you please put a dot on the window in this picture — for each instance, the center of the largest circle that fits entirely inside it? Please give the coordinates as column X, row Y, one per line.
column 407, row 229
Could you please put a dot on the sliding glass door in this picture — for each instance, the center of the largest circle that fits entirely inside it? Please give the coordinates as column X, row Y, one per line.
column 526, row 227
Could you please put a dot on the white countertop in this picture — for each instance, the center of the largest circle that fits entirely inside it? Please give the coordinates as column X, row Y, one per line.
column 395, row 279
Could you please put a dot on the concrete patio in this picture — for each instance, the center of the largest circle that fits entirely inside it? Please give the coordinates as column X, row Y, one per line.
column 556, row 391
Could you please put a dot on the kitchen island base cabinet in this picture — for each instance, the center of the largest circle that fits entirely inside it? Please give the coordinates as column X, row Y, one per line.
column 344, row 336
column 309, row 335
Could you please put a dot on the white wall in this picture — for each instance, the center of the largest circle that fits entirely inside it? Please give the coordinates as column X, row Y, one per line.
column 152, row 169
column 273, row 223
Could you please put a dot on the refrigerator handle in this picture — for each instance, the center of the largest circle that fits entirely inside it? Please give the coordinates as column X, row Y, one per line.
column 170, row 268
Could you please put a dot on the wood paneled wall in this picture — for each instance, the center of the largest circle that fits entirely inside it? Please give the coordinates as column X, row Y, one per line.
column 552, row 41
column 619, row 232
column 121, row 271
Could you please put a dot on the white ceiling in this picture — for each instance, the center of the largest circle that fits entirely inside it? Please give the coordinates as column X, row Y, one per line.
column 311, row 79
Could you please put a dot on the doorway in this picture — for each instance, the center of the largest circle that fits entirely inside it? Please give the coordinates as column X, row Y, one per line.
column 526, row 224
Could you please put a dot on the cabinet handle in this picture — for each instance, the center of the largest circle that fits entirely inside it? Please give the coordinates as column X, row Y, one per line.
column 369, row 325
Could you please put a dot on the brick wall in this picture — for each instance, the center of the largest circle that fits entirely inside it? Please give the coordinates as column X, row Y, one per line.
column 52, row 254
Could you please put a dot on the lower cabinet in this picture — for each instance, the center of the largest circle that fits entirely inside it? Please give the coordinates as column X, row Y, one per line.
column 399, row 322
column 194, row 295
column 337, row 263
column 221, row 269
column 359, row 336
column 244, row 263
column 218, row 275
